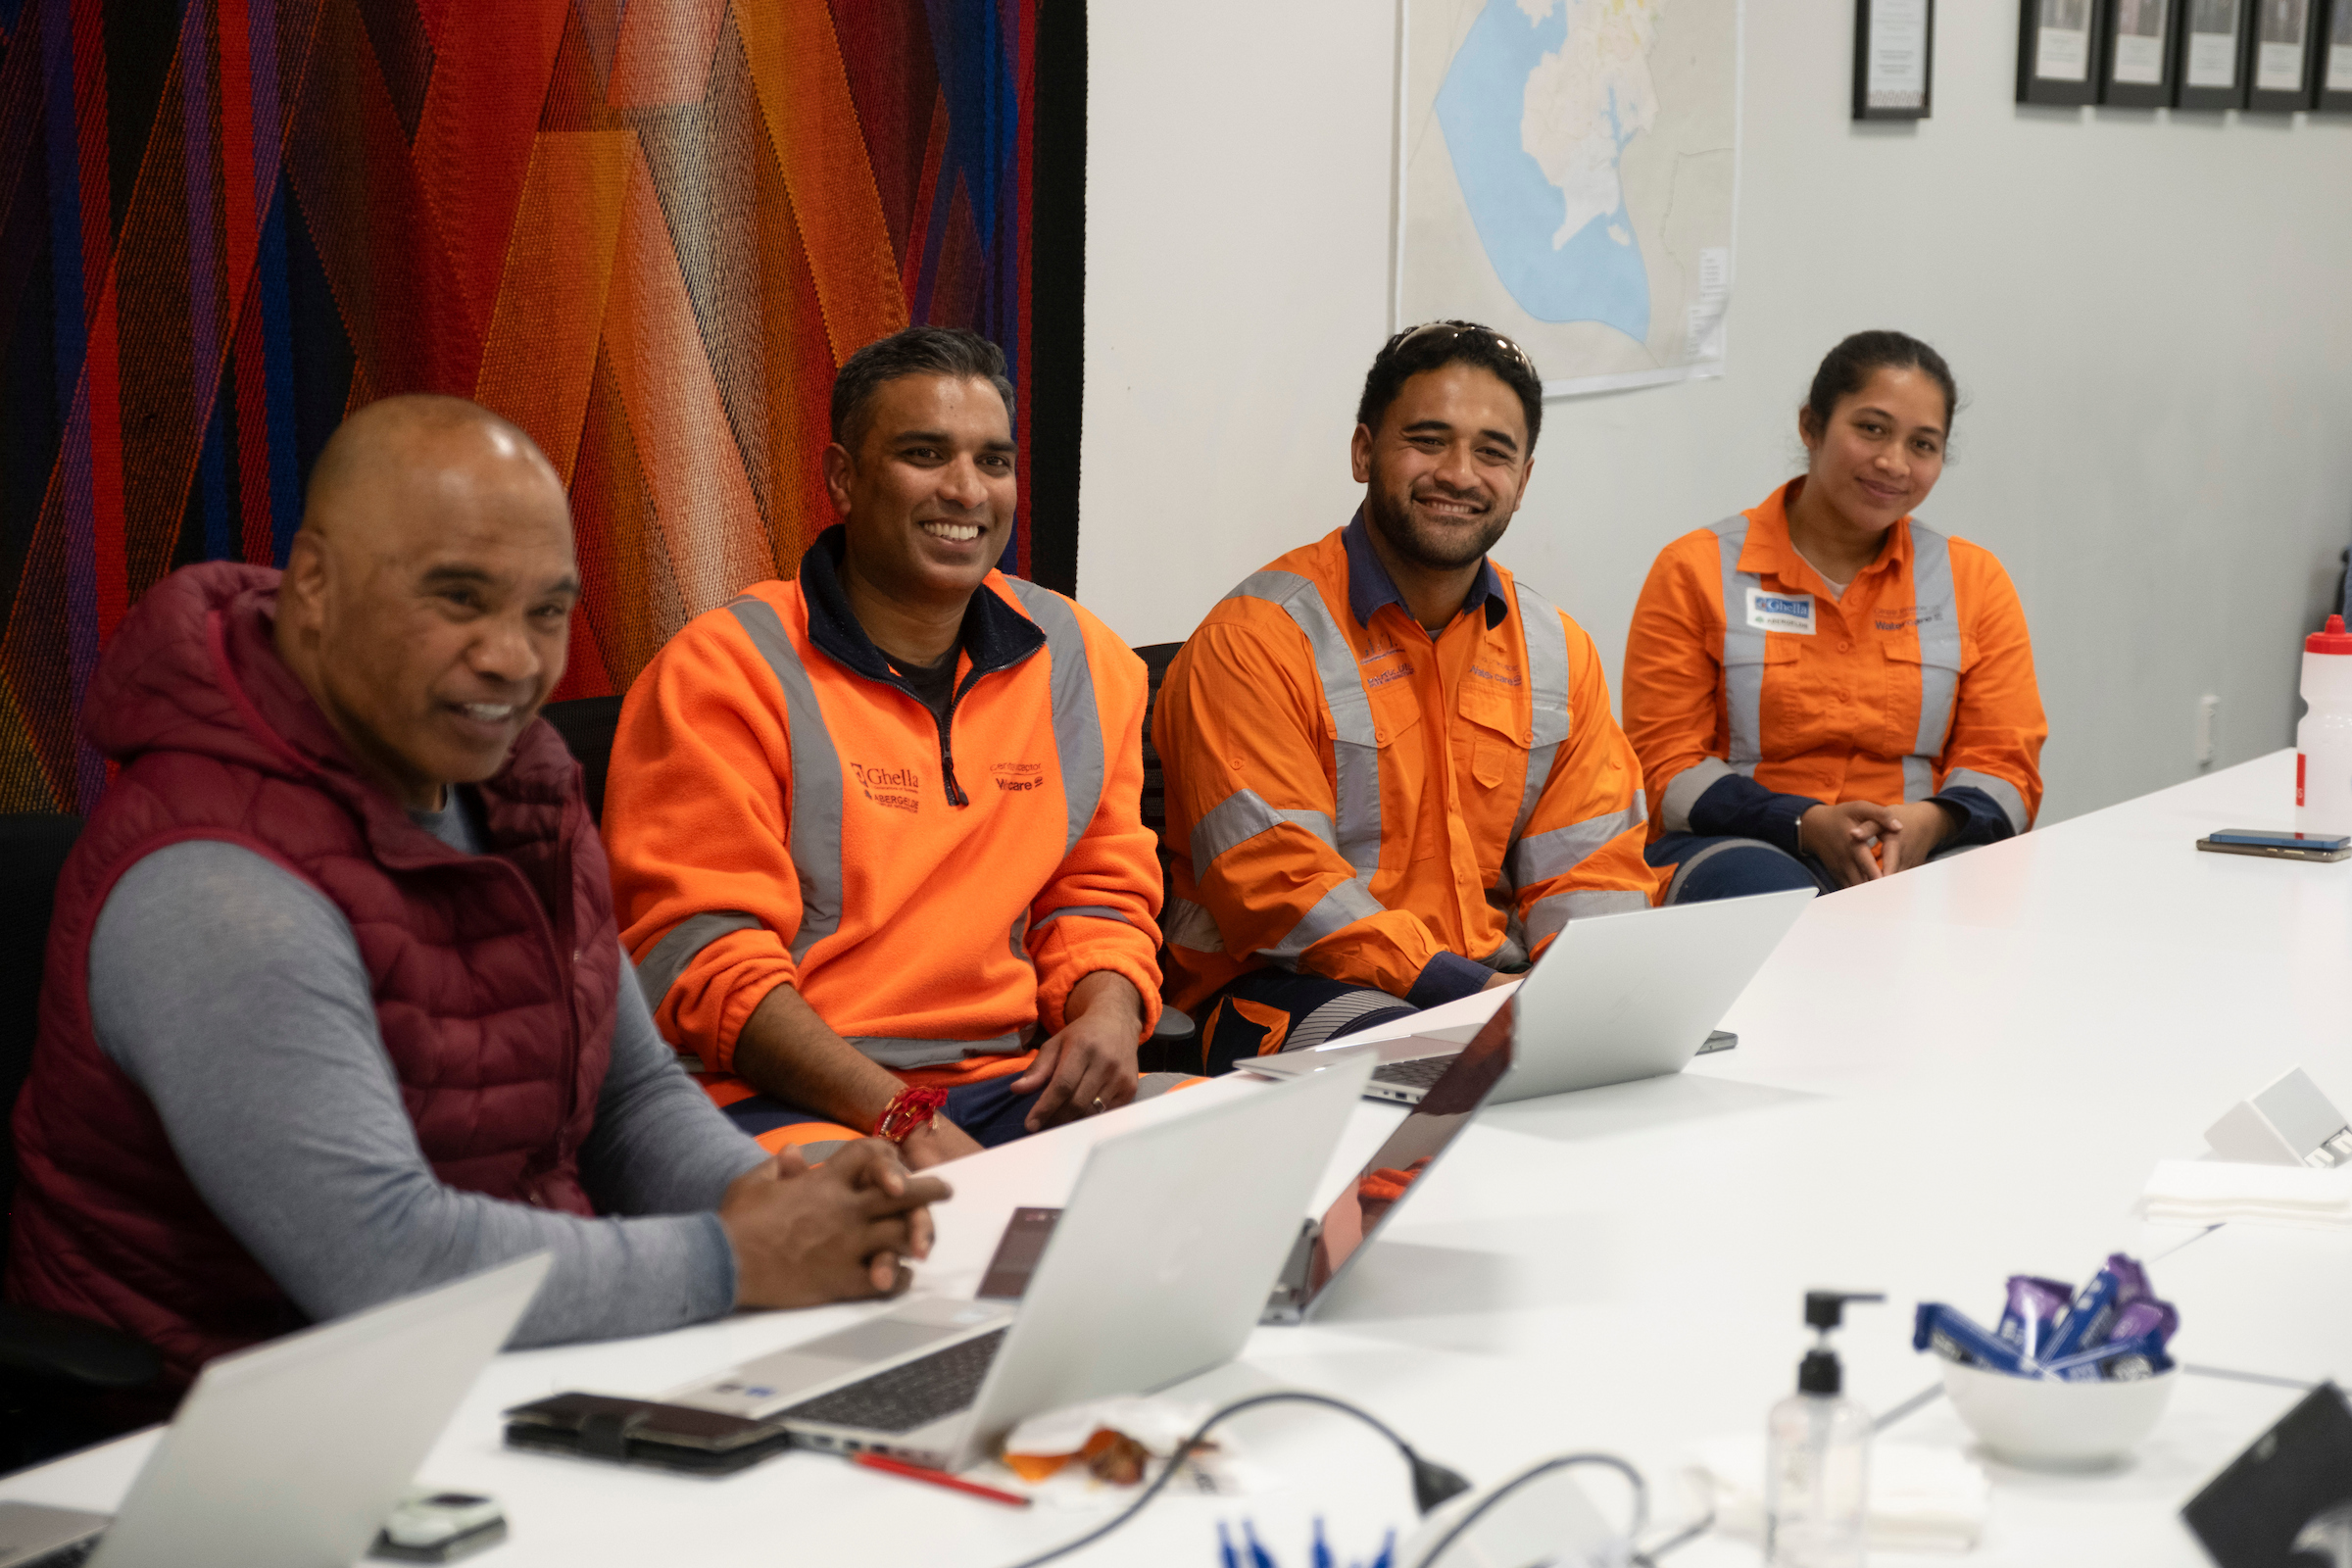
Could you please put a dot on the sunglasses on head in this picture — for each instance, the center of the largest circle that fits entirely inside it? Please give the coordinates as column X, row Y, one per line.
column 1446, row 332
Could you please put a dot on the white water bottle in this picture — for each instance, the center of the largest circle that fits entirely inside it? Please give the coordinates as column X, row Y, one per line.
column 2323, row 740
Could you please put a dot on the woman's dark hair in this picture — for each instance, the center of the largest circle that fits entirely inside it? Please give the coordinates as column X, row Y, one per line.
column 911, row 351
column 1435, row 344
column 1848, row 368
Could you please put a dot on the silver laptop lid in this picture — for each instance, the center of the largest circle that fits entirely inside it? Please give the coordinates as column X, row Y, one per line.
column 1387, row 1178
column 291, row 1453
column 1159, row 1264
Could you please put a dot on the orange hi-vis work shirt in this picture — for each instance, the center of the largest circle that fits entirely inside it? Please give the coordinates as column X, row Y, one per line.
column 781, row 810
column 1744, row 664
column 1353, row 799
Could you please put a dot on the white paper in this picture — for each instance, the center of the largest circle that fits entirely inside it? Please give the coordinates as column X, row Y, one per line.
column 2212, row 60
column 2062, row 45
column 1898, row 55
column 2279, row 67
column 2139, row 41
column 2339, row 60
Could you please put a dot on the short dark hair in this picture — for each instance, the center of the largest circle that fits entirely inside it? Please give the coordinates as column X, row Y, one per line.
column 1417, row 349
column 912, row 351
column 1848, row 368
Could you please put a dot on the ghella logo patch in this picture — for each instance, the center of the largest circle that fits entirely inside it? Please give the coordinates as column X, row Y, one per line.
column 899, row 788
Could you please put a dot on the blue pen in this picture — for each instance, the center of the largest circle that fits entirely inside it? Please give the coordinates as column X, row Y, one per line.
column 1322, row 1556
column 1226, row 1558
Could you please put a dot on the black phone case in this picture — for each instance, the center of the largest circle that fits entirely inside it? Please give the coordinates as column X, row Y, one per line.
column 2287, row 1502
column 596, row 1426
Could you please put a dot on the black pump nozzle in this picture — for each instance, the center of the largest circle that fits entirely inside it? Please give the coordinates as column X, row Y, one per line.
column 1819, row 1372
column 1826, row 1309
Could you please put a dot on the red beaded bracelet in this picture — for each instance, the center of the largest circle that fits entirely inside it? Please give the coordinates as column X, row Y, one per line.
column 909, row 1111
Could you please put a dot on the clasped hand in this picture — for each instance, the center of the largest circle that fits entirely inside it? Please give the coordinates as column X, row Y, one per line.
column 1860, row 841
column 840, row 1232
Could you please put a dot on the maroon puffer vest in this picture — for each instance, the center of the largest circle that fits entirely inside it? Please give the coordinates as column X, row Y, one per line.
column 494, row 976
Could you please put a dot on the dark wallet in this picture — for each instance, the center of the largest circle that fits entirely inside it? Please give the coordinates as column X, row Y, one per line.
column 2287, row 1502
column 668, row 1437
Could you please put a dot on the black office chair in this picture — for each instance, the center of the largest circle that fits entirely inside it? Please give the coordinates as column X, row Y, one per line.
column 586, row 724
column 64, row 1382
column 1171, row 1048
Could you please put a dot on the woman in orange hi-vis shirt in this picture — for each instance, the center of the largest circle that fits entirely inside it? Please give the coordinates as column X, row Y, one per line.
column 1822, row 691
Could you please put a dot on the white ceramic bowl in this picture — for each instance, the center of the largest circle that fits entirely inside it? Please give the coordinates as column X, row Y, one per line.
column 2044, row 1422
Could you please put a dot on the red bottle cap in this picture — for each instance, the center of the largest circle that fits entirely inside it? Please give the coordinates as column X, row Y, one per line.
column 2335, row 640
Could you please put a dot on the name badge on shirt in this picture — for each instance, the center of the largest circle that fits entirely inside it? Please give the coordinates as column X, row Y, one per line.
column 1780, row 611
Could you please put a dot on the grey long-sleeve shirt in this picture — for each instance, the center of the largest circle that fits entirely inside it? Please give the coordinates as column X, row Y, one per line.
column 233, row 994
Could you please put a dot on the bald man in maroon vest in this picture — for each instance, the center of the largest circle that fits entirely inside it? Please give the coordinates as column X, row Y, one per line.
column 335, row 1008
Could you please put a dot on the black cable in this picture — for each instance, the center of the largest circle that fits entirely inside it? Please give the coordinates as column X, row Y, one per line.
column 1433, row 1483
column 1565, row 1461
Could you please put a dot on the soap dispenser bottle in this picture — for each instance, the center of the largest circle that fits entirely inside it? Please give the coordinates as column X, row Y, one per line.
column 1817, row 1456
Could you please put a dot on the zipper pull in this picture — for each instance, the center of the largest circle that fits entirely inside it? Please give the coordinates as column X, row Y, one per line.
column 955, row 795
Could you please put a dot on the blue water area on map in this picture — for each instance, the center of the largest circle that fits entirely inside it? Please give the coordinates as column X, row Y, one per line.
column 1517, row 211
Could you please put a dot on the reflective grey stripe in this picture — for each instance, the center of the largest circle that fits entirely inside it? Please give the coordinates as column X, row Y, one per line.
column 1550, row 916
column 1562, row 850
column 2007, row 796
column 660, row 969
column 1742, row 648
column 893, row 1051
column 1355, row 742
column 1020, row 929
column 1077, row 721
column 1188, row 925
column 816, row 777
column 1688, row 786
column 1938, row 626
column 1098, row 911
column 1682, row 872
column 1242, row 817
column 1336, row 910
column 1546, row 638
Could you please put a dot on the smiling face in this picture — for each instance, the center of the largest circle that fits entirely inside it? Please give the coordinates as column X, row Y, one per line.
column 1445, row 471
column 427, row 603
column 1882, row 450
column 928, row 494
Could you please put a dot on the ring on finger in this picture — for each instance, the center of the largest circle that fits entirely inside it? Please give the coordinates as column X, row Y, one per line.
column 1097, row 1107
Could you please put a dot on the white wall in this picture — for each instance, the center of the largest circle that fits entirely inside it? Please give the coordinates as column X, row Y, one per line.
column 2150, row 316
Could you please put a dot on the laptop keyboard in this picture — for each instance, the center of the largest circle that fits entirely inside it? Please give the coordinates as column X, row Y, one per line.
column 72, row 1557
column 907, row 1396
column 1418, row 1073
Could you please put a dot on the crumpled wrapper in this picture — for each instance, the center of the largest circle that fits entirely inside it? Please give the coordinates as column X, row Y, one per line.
column 1122, row 1443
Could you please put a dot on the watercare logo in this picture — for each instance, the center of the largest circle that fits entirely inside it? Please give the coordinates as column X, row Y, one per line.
column 1018, row 778
column 1769, row 611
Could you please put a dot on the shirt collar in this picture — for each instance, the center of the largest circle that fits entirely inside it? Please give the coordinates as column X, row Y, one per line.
column 1369, row 585
column 994, row 634
column 1770, row 550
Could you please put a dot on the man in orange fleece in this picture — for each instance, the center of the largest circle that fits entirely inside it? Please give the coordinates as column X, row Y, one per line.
column 875, row 832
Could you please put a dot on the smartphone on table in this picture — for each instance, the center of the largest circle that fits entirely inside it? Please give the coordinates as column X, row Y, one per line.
column 2280, row 844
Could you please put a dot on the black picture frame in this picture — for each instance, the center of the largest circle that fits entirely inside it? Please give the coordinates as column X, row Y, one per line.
column 2123, row 64
column 1866, row 16
column 2188, row 94
column 2262, row 100
column 2331, row 92
column 2033, row 87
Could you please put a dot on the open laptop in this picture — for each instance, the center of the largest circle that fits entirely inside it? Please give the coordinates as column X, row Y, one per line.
column 1157, row 1269
column 1327, row 1247
column 291, row 1453
column 1616, row 998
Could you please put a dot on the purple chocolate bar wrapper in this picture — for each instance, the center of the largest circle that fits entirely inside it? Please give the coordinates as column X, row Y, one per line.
column 1956, row 1337
column 2142, row 1319
column 2033, row 1311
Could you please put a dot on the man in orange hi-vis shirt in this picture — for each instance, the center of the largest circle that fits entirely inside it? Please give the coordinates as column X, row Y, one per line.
column 1393, row 776
column 875, row 832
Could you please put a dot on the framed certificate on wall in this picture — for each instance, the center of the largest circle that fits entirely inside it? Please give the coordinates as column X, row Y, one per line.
column 2139, row 60
column 2279, row 55
column 1894, row 59
column 2210, row 57
column 2058, row 51
column 2334, row 69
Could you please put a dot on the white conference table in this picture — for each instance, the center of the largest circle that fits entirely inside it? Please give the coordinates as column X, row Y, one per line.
column 1955, row 1075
